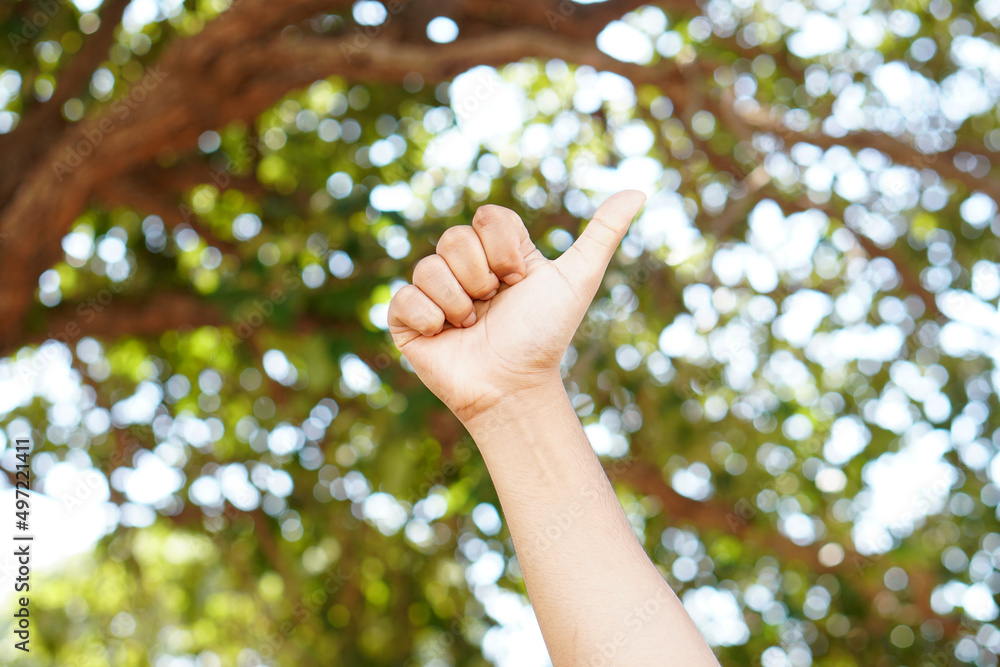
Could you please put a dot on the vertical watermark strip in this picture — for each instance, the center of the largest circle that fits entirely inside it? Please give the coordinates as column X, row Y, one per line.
column 22, row 541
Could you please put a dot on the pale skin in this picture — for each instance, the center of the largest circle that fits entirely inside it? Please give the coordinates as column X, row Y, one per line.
column 484, row 325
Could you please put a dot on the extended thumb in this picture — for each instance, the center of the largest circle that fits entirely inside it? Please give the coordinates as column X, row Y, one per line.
column 588, row 259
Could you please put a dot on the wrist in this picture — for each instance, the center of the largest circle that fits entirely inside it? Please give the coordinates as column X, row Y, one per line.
column 522, row 406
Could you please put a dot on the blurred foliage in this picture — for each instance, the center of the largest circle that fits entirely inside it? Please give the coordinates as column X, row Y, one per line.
column 810, row 362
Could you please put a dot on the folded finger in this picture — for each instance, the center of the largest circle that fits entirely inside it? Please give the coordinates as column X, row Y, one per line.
column 411, row 309
column 462, row 250
column 505, row 240
column 435, row 279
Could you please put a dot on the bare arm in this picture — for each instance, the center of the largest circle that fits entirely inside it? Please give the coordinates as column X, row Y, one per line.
column 598, row 598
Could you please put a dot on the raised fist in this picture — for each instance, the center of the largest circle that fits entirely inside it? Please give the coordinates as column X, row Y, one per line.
column 488, row 317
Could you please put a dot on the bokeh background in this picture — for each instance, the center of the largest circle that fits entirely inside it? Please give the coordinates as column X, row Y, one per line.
column 790, row 371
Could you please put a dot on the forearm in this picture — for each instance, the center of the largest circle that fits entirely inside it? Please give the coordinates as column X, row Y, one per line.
column 598, row 598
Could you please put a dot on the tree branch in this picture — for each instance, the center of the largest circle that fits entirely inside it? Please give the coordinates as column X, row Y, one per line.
column 910, row 281
column 42, row 125
column 192, row 94
column 238, row 66
column 109, row 316
column 715, row 516
column 106, row 315
column 900, row 152
column 144, row 195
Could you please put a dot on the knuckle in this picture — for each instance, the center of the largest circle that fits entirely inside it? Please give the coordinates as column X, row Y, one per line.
column 455, row 239
column 399, row 300
column 426, row 269
column 401, row 296
column 492, row 215
column 401, row 304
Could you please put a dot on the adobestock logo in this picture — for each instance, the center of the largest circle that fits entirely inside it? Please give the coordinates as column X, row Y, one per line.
column 31, row 24
column 95, row 131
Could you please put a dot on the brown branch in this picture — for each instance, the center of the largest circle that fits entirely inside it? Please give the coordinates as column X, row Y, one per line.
column 41, row 126
column 275, row 554
column 106, row 315
column 721, row 517
column 740, row 203
column 250, row 78
column 762, row 182
column 94, row 52
column 110, row 316
column 236, row 68
column 187, row 174
column 737, row 210
column 900, row 152
column 566, row 18
column 142, row 195
column 910, row 281
column 718, row 517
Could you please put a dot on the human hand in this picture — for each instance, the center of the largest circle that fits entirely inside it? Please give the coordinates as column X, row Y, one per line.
column 488, row 317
